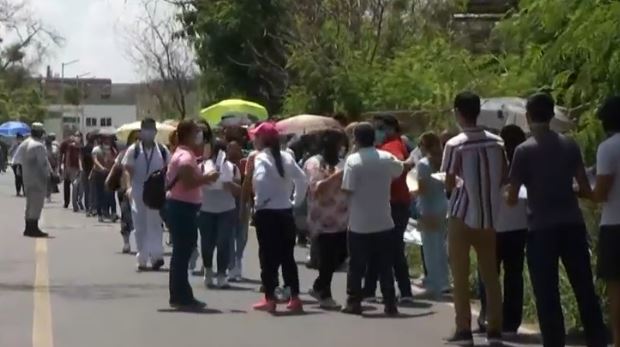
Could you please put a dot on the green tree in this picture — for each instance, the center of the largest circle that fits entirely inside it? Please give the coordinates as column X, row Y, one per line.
column 26, row 41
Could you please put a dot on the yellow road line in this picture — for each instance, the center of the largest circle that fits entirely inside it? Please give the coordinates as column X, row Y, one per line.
column 42, row 317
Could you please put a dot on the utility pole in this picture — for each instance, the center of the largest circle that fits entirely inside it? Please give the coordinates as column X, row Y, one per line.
column 80, row 114
column 62, row 92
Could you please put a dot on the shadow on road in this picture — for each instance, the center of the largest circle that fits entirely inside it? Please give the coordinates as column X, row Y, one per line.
column 296, row 314
column 192, row 311
column 399, row 316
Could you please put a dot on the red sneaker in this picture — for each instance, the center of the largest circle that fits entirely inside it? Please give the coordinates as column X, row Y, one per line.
column 266, row 305
column 295, row 305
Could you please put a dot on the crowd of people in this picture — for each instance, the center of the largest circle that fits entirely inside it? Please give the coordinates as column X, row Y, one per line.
column 506, row 196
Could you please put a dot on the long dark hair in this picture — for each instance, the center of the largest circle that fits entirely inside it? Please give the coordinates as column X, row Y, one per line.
column 513, row 136
column 217, row 146
column 330, row 142
column 273, row 143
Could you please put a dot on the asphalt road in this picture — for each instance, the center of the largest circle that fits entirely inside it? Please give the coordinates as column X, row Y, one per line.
column 78, row 290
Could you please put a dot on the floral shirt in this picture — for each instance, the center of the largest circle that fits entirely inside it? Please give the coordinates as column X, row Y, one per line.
column 330, row 212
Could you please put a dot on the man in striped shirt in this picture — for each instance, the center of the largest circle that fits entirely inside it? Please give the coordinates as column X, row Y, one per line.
column 475, row 166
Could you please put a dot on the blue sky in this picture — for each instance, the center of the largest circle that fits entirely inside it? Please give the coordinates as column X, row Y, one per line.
column 93, row 33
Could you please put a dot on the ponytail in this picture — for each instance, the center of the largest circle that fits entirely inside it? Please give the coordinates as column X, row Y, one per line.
column 274, row 147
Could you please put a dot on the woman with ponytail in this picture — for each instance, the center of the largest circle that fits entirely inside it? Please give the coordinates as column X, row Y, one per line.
column 274, row 176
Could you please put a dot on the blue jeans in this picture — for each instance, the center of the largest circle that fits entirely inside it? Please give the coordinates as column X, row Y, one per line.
column 181, row 218
column 436, row 259
column 215, row 231
column 239, row 239
column 106, row 201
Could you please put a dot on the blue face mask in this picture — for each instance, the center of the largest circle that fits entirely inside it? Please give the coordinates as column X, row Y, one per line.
column 148, row 135
column 379, row 136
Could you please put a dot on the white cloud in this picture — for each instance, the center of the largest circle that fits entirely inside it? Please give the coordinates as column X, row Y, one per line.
column 93, row 33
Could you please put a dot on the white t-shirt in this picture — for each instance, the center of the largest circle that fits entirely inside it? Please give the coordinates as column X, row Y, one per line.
column 218, row 200
column 144, row 164
column 368, row 175
column 608, row 163
column 272, row 191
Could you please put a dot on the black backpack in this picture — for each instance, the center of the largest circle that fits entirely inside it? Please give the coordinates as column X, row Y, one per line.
column 154, row 188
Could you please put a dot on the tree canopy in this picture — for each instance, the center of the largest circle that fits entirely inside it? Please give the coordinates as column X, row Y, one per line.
column 324, row 56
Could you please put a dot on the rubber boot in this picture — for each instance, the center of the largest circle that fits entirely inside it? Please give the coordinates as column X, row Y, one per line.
column 32, row 229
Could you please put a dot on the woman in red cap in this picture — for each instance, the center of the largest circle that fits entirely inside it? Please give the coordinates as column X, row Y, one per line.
column 275, row 174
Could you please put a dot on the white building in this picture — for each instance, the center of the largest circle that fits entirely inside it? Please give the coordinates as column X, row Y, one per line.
column 101, row 105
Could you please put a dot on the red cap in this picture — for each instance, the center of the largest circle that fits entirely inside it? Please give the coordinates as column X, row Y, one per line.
column 266, row 129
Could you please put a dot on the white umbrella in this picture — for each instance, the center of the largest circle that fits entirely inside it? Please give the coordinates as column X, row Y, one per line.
column 499, row 112
column 163, row 131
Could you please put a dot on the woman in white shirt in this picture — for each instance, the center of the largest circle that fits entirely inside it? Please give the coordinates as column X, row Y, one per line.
column 511, row 240
column 218, row 215
column 275, row 175
column 607, row 192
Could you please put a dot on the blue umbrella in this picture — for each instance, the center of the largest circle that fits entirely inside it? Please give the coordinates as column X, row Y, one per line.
column 12, row 128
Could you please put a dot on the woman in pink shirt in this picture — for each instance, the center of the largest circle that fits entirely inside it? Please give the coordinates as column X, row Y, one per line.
column 184, row 179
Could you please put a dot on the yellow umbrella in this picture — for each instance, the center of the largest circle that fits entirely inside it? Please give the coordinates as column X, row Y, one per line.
column 163, row 132
column 234, row 108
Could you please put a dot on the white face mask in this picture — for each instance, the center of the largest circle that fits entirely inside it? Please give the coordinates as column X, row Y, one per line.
column 199, row 139
column 148, row 135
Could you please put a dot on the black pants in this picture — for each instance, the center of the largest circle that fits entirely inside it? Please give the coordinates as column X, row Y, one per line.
column 276, row 233
column 400, row 215
column 510, row 257
column 19, row 179
column 182, row 221
column 66, row 185
column 371, row 250
column 544, row 248
column 332, row 250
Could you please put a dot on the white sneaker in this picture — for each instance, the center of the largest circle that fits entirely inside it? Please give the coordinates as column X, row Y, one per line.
column 208, row 279
column 407, row 300
column 234, row 275
column 222, row 282
column 329, row 304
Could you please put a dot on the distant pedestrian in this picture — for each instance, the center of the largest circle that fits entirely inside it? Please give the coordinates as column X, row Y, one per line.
column 547, row 164
column 70, row 152
column 367, row 177
column 234, row 154
column 16, row 165
column 103, row 158
column 36, row 171
column 475, row 165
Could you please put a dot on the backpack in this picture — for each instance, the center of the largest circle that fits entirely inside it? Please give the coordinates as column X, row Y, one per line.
column 154, row 188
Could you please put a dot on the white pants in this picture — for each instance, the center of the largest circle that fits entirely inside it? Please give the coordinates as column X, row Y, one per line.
column 148, row 230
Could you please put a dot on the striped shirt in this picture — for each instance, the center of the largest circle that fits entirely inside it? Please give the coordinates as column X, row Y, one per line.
column 478, row 159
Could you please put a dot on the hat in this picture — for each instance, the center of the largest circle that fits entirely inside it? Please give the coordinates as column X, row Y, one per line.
column 37, row 126
column 266, row 129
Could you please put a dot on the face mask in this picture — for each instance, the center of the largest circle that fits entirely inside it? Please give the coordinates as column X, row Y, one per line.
column 107, row 147
column 379, row 136
column 148, row 135
column 199, row 139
